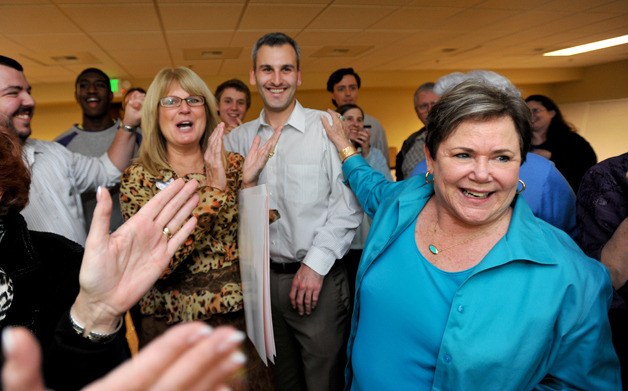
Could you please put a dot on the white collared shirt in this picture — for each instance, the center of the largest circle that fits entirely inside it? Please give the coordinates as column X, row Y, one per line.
column 319, row 213
column 58, row 177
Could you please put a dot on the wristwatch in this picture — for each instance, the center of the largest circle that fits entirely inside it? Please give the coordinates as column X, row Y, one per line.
column 128, row 128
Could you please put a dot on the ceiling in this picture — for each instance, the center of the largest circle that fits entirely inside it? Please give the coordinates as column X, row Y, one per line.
column 132, row 40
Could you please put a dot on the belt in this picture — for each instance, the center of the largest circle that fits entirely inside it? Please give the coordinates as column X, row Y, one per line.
column 285, row 267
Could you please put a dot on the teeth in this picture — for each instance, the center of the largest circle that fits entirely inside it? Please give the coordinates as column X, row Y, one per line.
column 184, row 124
column 92, row 99
column 276, row 90
column 475, row 195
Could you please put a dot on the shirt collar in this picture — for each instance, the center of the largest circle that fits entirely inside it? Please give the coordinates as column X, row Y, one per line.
column 296, row 119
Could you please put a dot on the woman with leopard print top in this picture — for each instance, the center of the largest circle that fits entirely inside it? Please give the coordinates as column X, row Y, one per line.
column 202, row 281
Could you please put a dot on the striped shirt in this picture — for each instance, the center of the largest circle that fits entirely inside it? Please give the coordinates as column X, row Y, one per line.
column 58, row 179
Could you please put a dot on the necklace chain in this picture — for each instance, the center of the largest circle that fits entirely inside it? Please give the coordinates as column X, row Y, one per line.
column 434, row 250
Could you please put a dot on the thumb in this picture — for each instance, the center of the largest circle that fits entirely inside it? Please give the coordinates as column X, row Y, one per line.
column 22, row 361
column 102, row 214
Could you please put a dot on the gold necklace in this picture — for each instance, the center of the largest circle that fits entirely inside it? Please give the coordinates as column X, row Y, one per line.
column 434, row 250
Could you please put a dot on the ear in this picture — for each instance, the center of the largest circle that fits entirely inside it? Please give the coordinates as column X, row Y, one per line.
column 429, row 161
column 76, row 95
column 252, row 80
column 299, row 77
column 552, row 113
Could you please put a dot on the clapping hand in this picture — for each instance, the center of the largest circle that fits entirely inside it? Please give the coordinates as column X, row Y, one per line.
column 214, row 159
column 257, row 157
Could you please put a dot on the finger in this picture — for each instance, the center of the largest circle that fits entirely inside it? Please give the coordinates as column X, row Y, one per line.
column 102, row 214
column 307, row 302
column 300, row 299
column 181, row 235
column 174, row 202
column 293, row 293
column 153, row 207
column 315, row 295
column 208, row 363
column 146, row 369
column 22, row 361
column 183, row 214
column 254, row 146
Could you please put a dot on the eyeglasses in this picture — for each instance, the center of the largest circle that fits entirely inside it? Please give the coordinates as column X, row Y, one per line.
column 536, row 111
column 426, row 106
column 175, row 101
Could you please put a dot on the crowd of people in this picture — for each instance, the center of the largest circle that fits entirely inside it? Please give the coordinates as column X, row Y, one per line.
column 497, row 259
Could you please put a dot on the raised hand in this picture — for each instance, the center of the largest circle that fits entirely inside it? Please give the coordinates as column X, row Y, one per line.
column 257, row 158
column 133, row 109
column 336, row 130
column 214, row 159
column 118, row 269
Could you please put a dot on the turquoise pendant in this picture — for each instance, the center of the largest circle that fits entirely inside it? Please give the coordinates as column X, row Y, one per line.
column 433, row 249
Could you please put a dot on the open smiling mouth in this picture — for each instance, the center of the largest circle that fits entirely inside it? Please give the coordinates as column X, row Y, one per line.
column 186, row 125
column 476, row 195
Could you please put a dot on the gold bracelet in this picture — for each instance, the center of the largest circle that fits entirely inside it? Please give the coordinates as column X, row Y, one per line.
column 347, row 152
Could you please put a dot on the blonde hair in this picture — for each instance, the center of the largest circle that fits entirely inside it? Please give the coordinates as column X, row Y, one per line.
column 153, row 152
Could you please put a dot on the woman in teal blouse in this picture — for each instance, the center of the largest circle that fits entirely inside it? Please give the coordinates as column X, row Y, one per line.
column 460, row 287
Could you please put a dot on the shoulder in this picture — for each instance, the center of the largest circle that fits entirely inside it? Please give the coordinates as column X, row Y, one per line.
column 556, row 246
column 66, row 137
column 369, row 119
column 58, row 249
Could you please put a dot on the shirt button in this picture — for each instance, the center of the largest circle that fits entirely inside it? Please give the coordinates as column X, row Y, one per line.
column 447, row 358
column 461, row 308
column 273, row 242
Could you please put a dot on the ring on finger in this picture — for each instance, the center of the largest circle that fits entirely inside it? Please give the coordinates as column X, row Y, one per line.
column 341, row 117
column 271, row 153
column 166, row 232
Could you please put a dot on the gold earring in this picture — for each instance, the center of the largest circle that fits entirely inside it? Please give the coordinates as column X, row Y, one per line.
column 429, row 180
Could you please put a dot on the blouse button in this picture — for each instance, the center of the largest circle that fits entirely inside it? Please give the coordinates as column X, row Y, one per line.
column 447, row 358
column 460, row 308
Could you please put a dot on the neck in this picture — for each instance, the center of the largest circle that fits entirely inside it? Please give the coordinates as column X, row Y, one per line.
column 539, row 136
column 92, row 124
column 185, row 160
column 277, row 119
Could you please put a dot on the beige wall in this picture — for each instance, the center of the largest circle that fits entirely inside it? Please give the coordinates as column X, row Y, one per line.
column 601, row 90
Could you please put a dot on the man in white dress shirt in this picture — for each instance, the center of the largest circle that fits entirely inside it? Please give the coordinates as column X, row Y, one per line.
column 318, row 218
column 58, row 175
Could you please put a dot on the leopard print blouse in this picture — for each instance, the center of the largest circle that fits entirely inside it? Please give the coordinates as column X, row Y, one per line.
column 203, row 277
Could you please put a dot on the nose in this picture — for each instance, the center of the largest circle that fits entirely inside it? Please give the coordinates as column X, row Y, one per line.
column 184, row 107
column 481, row 170
column 276, row 78
column 27, row 99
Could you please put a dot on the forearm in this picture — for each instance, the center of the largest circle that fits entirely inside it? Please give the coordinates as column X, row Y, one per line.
column 615, row 255
column 72, row 361
column 121, row 150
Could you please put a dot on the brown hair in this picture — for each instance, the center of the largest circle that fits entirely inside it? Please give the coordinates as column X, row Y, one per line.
column 15, row 179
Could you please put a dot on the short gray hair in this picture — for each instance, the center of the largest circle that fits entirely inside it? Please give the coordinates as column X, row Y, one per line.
column 476, row 98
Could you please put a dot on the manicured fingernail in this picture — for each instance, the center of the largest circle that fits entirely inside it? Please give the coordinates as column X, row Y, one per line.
column 98, row 193
column 237, row 357
column 233, row 339
column 7, row 340
column 205, row 331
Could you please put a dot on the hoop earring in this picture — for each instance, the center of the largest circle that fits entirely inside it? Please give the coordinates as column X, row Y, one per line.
column 429, row 180
column 523, row 187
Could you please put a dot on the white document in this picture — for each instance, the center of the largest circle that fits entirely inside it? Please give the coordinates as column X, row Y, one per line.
column 255, row 269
